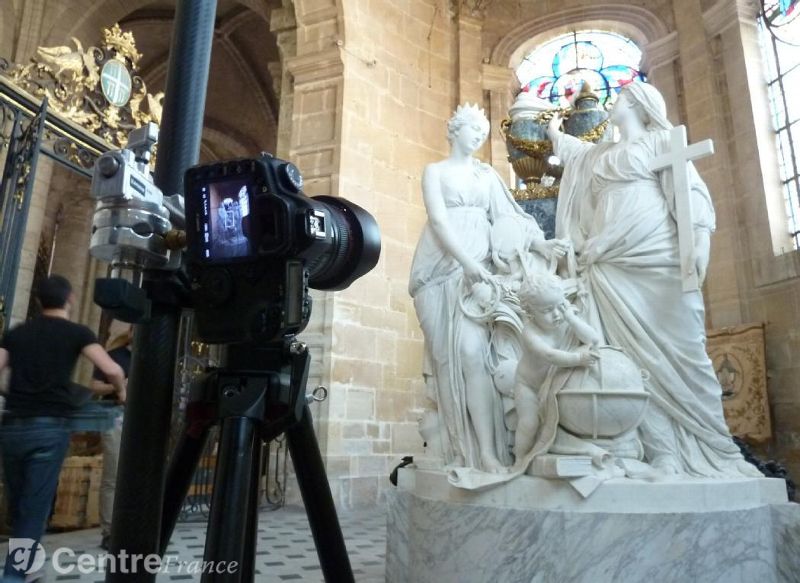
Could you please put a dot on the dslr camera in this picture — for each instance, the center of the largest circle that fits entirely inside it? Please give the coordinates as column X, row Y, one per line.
column 256, row 244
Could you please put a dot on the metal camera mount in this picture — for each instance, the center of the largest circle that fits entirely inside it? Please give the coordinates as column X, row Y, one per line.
column 133, row 217
column 133, row 227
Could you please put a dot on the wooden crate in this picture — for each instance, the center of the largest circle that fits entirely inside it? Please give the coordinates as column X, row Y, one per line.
column 77, row 503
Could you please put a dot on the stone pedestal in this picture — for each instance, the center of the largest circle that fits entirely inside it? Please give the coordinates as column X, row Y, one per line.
column 540, row 530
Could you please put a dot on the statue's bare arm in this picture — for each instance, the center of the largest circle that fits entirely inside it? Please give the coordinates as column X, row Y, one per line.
column 438, row 219
column 583, row 331
column 539, row 350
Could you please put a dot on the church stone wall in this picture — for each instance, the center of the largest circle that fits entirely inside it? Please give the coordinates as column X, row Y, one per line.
column 399, row 91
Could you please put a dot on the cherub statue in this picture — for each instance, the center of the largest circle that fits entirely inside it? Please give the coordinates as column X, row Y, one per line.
column 551, row 324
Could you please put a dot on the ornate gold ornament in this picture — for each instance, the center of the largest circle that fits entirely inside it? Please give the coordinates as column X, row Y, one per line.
column 545, row 147
column 536, row 162
column 122, row 44
column 535, row 192
column 97, row 88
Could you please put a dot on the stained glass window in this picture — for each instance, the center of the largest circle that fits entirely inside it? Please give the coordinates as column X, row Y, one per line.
column 556, row 70
column 779, row 27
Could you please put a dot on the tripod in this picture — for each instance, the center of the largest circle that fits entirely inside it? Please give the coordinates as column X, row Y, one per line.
column 258, row 395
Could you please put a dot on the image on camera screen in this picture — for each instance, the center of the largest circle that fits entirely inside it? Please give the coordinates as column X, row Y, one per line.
column 226, row 204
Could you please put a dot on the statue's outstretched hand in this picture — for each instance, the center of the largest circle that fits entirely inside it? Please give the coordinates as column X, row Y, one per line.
column 475, row 272
column 702, row 253
column 554, row 127
column 588, row 356
column 552, row 248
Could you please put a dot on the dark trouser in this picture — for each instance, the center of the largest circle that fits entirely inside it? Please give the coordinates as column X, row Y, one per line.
column 33, row 451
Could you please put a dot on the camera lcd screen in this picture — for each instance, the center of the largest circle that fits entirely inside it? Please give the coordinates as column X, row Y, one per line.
column 226, row 204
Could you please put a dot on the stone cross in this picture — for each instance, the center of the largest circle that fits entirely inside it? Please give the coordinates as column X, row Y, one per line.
column 677, row 157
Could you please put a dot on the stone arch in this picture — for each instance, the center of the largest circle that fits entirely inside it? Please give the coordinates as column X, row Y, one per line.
column 634, row 22
column 91, row 17
column 224, row 142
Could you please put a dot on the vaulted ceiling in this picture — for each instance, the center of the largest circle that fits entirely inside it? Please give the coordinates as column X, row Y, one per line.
column 241, row 104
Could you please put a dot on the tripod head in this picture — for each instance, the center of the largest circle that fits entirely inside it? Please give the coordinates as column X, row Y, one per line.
column 263, row 382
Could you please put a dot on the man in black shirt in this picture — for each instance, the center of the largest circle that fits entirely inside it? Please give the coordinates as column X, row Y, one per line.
column 34, row 436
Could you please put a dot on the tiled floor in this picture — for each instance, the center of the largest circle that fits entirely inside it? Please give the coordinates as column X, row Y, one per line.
column 285, row 548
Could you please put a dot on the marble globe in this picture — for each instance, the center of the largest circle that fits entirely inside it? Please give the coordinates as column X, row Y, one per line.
column 606, row 400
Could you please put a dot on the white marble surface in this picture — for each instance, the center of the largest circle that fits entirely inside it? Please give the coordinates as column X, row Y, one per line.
column 622, row 495
column 475, row 539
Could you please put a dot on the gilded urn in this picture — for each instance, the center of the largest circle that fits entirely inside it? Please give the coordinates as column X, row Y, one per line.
column 587, row 119
column 529, row 150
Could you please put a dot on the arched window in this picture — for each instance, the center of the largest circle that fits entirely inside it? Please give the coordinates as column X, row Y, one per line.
column 556, row 70
column 779, row 28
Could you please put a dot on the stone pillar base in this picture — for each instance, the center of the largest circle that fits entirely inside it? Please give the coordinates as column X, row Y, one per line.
column 540, row 530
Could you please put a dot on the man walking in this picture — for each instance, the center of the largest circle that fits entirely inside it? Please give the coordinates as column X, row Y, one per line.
column 34, row 436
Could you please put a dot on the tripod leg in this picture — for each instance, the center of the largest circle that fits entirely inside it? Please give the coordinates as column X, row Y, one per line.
column 249, row 564
column 136, row 520
column 229, row 523
column 182, row 467
column 318, row 501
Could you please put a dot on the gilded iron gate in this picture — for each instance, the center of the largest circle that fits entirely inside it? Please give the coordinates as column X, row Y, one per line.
column 22, row 153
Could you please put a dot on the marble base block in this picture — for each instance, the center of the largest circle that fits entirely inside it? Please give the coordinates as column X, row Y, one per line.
column 536, row 530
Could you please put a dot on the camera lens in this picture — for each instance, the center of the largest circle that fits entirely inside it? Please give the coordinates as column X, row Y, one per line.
column 355, row 249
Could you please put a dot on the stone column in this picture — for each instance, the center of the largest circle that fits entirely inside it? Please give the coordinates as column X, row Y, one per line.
column 314, row 146
column 498, row 81
column 30, row 30
column 284, row 26
column 469, row 58
column 705, row 118
column 660, row 65
column 30, row 244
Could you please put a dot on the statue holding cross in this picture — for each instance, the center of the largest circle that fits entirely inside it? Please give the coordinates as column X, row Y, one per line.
column 677, row 158
column 640, row 218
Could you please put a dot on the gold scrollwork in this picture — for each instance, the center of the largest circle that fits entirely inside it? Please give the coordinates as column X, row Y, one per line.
column 595, row 134
column 545, row 147
column 535, row 148
column 70, row 77
column 535, row 192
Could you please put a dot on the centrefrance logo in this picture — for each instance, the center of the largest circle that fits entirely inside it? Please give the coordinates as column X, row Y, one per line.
column 26, row 555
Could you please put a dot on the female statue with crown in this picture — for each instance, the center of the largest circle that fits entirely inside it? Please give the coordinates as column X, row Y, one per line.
column 463, row 198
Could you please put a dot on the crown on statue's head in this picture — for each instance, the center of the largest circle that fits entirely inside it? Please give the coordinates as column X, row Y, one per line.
column 469, row 110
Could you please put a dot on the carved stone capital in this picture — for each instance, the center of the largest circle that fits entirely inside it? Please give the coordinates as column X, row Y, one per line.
column 318, row 66
column 660, row 52
column 726, row 13
column 497, row 78
column 473, row 8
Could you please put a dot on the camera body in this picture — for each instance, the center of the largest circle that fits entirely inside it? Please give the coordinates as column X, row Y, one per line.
column 256, row 244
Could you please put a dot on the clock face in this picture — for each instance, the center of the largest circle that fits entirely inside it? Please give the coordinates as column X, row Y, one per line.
column 116, row 83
